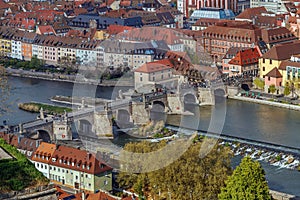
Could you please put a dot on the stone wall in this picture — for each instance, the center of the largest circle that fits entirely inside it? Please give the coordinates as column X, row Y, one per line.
column 103, row 123
column 233, row 91
column 140, row 115
column 175, row 105
column 206, row 96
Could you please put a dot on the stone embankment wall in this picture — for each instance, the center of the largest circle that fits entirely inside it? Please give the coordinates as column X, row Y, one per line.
column 265, row 102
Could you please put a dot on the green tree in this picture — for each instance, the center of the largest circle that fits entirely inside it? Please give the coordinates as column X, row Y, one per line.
column 287, row 90
column 246, row 183
column 35, row 63
column 272, row 89
column 4, row 91
column 189, row 177
column 259, row 83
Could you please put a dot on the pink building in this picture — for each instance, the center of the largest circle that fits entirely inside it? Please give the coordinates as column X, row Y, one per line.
column 274, row 77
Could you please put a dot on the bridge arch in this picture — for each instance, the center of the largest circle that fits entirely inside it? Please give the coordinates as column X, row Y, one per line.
column 158, row 106
column 123, row 118
column 123, row 115
column 84, row 126
column 220, row 95
column 245, row 86
column 157, row 112
column 190, row 102
column 41, row 134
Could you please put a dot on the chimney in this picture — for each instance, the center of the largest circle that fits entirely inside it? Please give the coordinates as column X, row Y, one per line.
column 83, row 195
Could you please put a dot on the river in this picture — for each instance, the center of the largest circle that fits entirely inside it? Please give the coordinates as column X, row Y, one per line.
column 242, row 119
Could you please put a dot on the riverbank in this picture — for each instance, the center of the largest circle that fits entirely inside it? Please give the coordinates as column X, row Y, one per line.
column 49, row 109
column 266, row 102
column 67, row 78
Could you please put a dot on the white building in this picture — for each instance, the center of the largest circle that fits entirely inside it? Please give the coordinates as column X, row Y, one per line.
column 159, row 72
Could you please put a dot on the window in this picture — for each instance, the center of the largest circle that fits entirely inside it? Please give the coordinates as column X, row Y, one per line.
column 270, row 61
column 269, row 78
column 264, row 69
column 105, row 182
column 153, row 78
column 141, row 79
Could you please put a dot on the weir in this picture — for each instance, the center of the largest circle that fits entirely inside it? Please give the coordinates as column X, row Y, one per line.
column 262, row 144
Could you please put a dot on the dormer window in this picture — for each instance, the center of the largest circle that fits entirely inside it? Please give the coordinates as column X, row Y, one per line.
column 60, row 160
column 83, row 166
column 53, row 159
column 73, row 164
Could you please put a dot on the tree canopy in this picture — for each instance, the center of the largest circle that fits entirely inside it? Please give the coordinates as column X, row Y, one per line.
column 5, row 91
column 246, row 183
column 189, row 177
column 259, row 83
column 272, row 89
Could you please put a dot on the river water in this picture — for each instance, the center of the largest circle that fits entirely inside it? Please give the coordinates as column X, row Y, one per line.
column 242, row 119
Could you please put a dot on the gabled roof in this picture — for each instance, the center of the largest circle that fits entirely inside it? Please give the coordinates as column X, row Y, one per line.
column 114, row 29
column 276, row 35
column 44, row 152
column 249, row 13
column 274, row 73
column 79, row 160
column 46, row 30
column 232, row 51
column 246, row 57
column 286, row 63
column 152, row 33
column 4, row 5
column 283, row 51
column 152, row 67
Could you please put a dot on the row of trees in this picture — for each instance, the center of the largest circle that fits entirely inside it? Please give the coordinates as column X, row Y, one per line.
column 259, row 83
column 191, row 177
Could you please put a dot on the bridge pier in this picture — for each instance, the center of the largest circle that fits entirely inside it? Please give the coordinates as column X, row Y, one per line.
column 206, row 96
column 174, row 104
column 140, row 114
column 103, row 123
column 233, row 90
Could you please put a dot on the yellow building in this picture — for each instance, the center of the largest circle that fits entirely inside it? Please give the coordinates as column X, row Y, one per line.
column 5, row 47
column 100, row 35
column 275, row 56
column 290, row 70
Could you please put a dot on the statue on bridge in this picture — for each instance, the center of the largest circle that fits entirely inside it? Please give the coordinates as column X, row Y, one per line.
column 42, row 116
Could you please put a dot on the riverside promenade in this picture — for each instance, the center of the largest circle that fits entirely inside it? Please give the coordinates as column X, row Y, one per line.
column 67, row 78
column 267, row 102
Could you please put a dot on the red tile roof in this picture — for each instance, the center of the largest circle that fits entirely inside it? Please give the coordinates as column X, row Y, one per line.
column 246, row 57
column 274, row 73
column 83, row 160
column 152, row 67
column 249, row 13
column 151, row 33
column 46, row 30
column 116, row 29
column 44, row 152
column 283, row 51
column 286, row 63
column 276, row 35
